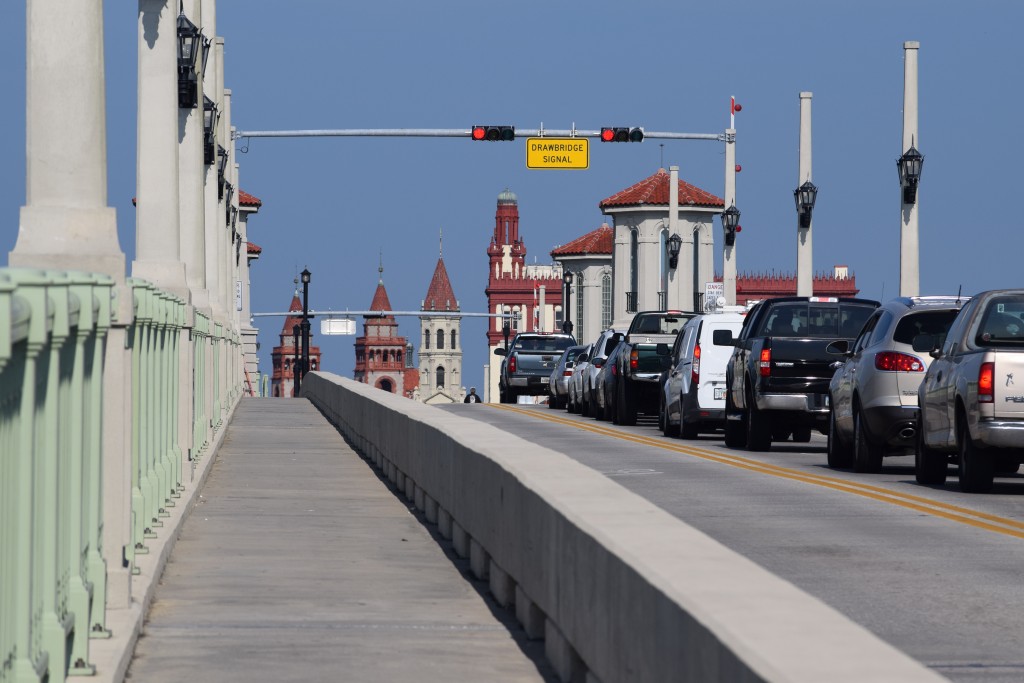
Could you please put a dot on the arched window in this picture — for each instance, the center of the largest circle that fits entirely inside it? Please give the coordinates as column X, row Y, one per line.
column 440, row 339
column 426, row 339
column 606, row 301
column 663, row 258
column 454, row 339
column 439, row 379
column 579, row 305
column 386, row 385
column 634, row 265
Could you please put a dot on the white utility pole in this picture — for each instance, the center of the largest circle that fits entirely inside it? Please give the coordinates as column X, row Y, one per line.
column 804, row 256
column 910, row 275
column 729, row 253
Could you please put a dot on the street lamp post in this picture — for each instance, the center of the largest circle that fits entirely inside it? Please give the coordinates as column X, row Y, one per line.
column 305, row 321
column 566, row 293
column 506, row 328
column 296, row 363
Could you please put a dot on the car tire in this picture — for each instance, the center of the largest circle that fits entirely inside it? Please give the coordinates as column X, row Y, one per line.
column 627, row 405
column 759, row 427
column 667, row 428
column 584, row 403
column 977, row 469
column 867, row 458
column 735, row 436
column 840, row 455
column 595, row 408
column 930, row 465
column 801, row 435
column 688, row 430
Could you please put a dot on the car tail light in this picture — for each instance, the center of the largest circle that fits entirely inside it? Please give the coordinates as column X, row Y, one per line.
column 986, row 381
column 615, row 370
column 893, row 361
column 567, row 373
column 511, row 363
column 695, row 367
column 766, row 362
column 634, row 359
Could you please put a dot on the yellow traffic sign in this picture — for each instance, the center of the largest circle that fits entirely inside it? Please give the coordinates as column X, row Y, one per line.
column 566, row 153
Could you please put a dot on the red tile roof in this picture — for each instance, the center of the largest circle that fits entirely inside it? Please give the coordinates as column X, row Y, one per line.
column 440, row 296
column 654, row 190
column 253, row 248
column 598, row 241
column 380, row 299
column 292, row 320
column 246, row 199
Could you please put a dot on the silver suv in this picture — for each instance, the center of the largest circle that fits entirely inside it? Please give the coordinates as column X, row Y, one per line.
column 971, row 404
column 873, row 394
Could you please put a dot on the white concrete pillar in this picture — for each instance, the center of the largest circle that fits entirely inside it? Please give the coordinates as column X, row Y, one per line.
column 684, row 270
column 541, row 308
column 66, row 223
column 192, row 172
column 214, row 208
column 910, row 274
column 157, row 214
column 804, row 260
column 620, row 280
column 729, row 253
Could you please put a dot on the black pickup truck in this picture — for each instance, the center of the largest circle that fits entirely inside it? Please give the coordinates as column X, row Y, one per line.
column 777, row 379
column 527, row 367
column 639, row 363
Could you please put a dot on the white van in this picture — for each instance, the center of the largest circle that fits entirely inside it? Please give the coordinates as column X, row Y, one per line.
column 693, row 395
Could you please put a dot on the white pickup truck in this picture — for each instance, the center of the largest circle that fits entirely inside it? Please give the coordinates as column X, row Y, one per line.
column 972, row 397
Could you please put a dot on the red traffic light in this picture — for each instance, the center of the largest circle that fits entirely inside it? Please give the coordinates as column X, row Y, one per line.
column 503, row 133
column 622, row 134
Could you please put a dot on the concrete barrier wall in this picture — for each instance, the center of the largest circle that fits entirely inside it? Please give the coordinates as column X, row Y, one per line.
column 619, row 589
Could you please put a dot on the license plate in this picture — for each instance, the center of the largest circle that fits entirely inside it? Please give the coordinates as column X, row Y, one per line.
column 719, row 393
column 545, row 380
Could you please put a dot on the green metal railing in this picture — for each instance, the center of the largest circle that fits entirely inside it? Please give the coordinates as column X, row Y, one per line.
column 53, row 328
column 53, row 345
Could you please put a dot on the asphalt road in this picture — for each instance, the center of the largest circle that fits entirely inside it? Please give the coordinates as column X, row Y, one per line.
column 936, row 572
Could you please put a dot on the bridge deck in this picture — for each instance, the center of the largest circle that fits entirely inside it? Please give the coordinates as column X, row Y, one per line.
column 298, row 563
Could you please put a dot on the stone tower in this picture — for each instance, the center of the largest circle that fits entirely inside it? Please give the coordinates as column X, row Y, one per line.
column 381, row 358
column 441, row 342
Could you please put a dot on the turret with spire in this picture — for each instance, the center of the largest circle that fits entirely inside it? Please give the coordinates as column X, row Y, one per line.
column 440, row 367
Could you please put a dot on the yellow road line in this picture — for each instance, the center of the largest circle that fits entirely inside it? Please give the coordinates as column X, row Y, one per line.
column 955, row 513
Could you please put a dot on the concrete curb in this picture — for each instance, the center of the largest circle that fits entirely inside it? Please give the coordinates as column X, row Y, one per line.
column 625, row 590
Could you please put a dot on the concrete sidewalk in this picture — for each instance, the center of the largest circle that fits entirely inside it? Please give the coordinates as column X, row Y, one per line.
column 299, row 564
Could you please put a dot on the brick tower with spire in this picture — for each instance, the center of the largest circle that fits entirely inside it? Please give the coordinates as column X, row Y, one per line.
column 383, row 358
column 533, row 293
column 282, row 381
column 440, row 341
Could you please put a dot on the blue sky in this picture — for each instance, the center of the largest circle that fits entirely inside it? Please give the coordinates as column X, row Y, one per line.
column 333, row 204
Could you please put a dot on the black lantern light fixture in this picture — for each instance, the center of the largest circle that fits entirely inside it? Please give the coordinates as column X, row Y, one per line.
column 731, row 224
column 805, row 196
column 674, row 244
column 190, row 44
column 211, row 116
column 222, row 169
column 909, row 166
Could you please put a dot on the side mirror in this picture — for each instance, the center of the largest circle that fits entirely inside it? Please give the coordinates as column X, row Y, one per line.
column 722, row 338
column 935, row 353
column 499, row 351
column 840, row 347
column 663, row 349
column 582, row 357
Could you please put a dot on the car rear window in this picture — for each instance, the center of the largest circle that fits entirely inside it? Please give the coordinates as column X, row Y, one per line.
column 935, row 323
column 544, row 344
column 800, row 319
column 1002, row 323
